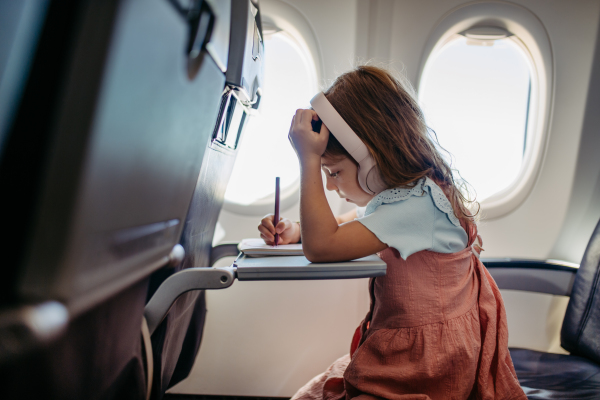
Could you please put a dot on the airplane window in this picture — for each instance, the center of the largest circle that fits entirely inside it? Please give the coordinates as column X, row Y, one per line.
column 476, row 97
column 265, row 152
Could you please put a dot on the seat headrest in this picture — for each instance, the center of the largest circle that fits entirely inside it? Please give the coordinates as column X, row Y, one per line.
column 580, row 332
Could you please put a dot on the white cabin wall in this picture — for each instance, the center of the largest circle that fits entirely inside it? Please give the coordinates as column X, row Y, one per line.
column 336, row 36
column 533, row 230
column 584, row 205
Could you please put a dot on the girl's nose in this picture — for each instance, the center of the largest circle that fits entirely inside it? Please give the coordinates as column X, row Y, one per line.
column 329, row 184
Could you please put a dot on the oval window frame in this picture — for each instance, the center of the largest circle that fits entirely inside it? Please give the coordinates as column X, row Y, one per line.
column 282, row 17
column 529, row 34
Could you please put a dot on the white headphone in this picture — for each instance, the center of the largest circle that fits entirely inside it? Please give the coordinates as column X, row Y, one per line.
column 369, row 177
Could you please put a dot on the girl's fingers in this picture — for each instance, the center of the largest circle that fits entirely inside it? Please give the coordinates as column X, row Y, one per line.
column 266, row 235
column 267, row 219
column 305, row 117
column 301, row 116
column 283, row 225
column 304, row 141
column 267, row 241
column 267, row 230
column 267, row 224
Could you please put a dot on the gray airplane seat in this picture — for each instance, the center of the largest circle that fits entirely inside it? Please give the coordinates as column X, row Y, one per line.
column 176, row 339
column 577, row 375
column 106, row 109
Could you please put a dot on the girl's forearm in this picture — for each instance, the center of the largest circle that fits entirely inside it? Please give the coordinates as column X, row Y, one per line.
column 318, row 222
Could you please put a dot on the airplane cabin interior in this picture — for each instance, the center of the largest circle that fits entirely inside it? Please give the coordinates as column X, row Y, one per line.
column 139, row 145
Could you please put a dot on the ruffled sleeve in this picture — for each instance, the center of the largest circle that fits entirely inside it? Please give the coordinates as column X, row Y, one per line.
column 415, row 219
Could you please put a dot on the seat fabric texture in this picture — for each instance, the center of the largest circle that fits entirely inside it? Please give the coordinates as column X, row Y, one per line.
column 556, row 376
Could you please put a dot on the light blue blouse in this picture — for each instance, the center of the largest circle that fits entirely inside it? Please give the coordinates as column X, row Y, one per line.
column 414, row 219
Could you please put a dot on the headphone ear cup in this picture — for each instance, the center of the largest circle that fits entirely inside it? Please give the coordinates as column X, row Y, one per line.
column 374, row 180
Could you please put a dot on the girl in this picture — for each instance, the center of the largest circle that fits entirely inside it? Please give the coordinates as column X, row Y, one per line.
column 436, row 328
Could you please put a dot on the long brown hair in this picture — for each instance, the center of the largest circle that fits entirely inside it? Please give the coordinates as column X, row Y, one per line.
column 383, row 112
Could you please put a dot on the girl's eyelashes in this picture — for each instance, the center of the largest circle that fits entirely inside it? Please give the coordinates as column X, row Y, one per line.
column 334, row 174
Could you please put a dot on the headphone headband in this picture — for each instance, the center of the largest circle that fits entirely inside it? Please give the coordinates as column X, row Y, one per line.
column 335, row 123
column 368, row 174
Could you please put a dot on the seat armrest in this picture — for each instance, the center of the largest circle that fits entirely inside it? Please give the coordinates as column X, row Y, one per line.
column 189, row 279
column 223, row 250
column 182, row 282
column 551, row 277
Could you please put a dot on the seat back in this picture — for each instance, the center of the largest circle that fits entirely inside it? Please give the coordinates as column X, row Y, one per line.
column 580, row 332
column 111, row 108
column 176, row 341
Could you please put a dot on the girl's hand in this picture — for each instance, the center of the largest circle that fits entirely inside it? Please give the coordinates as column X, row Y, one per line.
column 305, row 142
column 289, row 232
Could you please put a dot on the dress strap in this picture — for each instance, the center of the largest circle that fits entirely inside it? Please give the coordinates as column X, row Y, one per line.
column 476, row 246
column 475, row 241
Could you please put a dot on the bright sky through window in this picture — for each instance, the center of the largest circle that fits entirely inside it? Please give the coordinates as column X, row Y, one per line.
column 476, row 99
column 265, row 151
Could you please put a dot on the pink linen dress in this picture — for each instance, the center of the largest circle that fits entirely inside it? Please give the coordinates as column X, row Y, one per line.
column 436, row 329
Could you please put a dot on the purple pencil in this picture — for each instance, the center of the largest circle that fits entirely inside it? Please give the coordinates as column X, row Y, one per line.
column 276, row 217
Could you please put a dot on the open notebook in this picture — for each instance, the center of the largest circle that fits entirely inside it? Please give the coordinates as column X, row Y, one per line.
column 257, row 247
